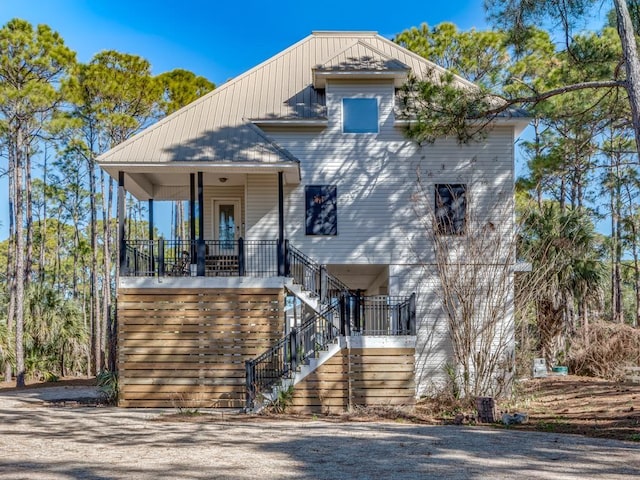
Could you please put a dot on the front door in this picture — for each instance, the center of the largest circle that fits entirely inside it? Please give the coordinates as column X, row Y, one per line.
column 226, row 222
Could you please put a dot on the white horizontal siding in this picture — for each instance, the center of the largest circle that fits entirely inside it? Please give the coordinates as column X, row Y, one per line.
column 383, row 213
column 261, row 221
column 377, row 181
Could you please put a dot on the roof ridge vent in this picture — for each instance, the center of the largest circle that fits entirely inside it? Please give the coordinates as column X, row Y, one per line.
column 344, row 33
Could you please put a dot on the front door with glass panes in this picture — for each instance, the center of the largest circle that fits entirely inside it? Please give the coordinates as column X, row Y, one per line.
column 226, row 223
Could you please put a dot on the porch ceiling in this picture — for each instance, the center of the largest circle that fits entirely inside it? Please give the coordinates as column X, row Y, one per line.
column 359, row 276
column 146, row 181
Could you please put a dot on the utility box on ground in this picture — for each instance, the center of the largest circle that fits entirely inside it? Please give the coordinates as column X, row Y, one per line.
column 539, row 368
column 486, row 409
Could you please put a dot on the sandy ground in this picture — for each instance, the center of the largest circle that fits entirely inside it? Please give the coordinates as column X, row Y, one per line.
column 47, row 442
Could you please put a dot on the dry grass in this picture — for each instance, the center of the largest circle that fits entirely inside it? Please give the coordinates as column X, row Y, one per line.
column 605, row 350
column 582, row 405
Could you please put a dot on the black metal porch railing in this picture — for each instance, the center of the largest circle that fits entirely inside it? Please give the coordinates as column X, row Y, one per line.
column 255, row 258
column 139, row 258
column 382, row 315
column 281, row 361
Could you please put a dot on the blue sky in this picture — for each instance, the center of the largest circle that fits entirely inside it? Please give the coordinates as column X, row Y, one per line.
column 218, row 40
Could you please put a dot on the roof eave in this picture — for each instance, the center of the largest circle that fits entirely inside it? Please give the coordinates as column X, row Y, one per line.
column 519, row 123
column 290, row 169
column 318, row 123
column 320, row 77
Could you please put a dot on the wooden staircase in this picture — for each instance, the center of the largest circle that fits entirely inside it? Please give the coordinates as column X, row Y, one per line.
column 317, row 360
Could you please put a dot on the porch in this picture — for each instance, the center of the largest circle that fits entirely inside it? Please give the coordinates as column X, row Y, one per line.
column 203, row 258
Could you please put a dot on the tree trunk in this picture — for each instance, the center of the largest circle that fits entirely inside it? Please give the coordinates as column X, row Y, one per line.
column 106, row 283
column 633, row 226
column 94, row 303
column 617, row 261
column 636, row 284
column 632, row 64
column 58, row 267
column 19, row 258
column 11, row 280
column 28, row 258
column 616, row 240
column 43, row 223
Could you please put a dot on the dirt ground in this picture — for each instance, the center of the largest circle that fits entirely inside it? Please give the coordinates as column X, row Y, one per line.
column 564, row 404
column 45, row 437
column 581, row 405
column 64, row 382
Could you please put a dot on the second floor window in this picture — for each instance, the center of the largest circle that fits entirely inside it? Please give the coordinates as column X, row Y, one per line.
column 450, row 208
column 360, row 115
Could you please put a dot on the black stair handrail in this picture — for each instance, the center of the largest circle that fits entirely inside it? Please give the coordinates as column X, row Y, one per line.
column 346, row 315
column 139, row 257
column 283, row 358
column 313, row 277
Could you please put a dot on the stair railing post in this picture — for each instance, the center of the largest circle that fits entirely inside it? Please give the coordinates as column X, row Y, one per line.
column 293, row 346
column 357, row 320
column 280, row 246
column 201, row 253
column 287, row 261
column 241, row 258
column 345, row 320
column 322, row 294
column 161, row 257
column 250, row 385
column 412, row 314
column 152, row 266
column 348, row 314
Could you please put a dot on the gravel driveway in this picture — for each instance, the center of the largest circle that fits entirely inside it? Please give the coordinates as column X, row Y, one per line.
column 44, row 442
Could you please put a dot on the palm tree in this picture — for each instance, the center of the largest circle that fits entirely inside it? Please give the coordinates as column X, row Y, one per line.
column 563, row 246
column 55, row 336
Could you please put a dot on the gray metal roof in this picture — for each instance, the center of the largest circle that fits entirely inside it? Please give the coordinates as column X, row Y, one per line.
column 216, row 127
column 360, row 57
column 360, row 61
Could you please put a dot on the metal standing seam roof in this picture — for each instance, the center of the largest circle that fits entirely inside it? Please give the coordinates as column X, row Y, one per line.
column 361, row 57
column 215, row 128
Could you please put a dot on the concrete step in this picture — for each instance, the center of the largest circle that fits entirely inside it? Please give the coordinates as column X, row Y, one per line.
column 308, row 298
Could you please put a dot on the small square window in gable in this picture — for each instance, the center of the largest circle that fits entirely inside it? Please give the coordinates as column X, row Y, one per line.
column 450, row 208
column 360, row 115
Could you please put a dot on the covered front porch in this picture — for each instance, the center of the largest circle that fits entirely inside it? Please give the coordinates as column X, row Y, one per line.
column 234, row 226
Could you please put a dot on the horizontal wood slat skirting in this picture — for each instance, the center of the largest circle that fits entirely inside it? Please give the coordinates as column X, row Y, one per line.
column 366, row 377
column 186, row 348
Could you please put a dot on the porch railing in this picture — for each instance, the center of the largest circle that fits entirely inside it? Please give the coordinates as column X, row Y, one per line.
column 383, row 315
column 281, row 361
column 140, row 258
column 255, row 258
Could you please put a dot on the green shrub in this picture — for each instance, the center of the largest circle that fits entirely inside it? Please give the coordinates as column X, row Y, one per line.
column 108, row 386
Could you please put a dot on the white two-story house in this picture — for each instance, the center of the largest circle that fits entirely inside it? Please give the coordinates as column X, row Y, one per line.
column 309, row 261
